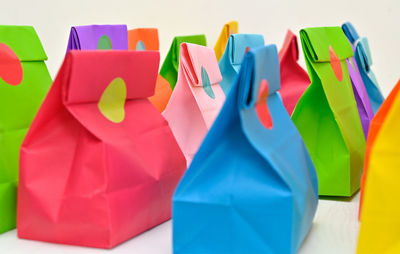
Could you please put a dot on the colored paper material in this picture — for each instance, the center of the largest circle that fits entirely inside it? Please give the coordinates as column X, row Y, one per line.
column 379, row 231
column 169, row 69
column 232, row 27
column 327, row 116
column 98, row 37
column 24, row 82
column 233, row 56
column 252, row 187
column 363, row 57
column 147, row 39
column 197, row 98
column 99, row 164
column 360, row 93
column 294, row 79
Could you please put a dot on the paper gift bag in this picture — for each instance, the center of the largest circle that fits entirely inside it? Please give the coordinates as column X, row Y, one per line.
column 147, row 39
column 99, row 164
column 143, row 39
column 24, row 82
column 169, row 69
column 294, row 79
column 232, row 27
column 197, row 98
column 98, row 37
column 327, row 116
column 375, row 126
column 379, row 231
column 363, row 58
column 363, row 103
column 232, row 58
column 252, row 187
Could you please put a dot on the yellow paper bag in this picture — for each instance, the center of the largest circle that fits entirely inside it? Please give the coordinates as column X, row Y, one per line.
column 232, row 27
column 380, row 217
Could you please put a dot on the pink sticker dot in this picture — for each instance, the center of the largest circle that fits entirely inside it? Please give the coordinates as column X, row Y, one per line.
column 335, row 64
column 262, row 106
column 10, row 66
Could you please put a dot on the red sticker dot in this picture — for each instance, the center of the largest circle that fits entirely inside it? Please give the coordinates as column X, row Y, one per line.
column 10, row 66
column 335, row 64
column 262, row 107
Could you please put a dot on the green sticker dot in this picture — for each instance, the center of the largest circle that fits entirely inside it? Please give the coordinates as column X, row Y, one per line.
column 104, row 42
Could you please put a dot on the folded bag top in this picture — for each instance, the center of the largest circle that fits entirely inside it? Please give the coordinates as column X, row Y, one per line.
column 232, row 27
column 24, row 41
column 196, row 60
column 98, row 37
column 294, row 79
column 364, row 60
column 143, row 39
column 242, row 42
column 317, row 41
column 269, row 169
column 355, row 39
column 132, row 72
column 169, row 69
column 232, row 58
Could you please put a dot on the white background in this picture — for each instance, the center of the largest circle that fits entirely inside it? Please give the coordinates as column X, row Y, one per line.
column 378, row 20
column 335, row 227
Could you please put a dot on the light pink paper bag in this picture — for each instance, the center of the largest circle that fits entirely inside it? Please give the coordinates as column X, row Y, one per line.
column 197, row 98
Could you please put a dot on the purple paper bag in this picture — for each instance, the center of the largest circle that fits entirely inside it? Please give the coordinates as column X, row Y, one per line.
column 360, row 94
column 98, row 37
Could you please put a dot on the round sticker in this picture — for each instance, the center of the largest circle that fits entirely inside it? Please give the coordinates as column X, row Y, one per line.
column 112, row 101
column 104, row 42
column 262, row 106
column 335, row 64
column 10, row 66
column 206, row 83
column 140, row 46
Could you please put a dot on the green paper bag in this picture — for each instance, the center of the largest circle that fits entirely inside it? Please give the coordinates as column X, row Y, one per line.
column 169, row 69
column 327, row 115
column 24, row 82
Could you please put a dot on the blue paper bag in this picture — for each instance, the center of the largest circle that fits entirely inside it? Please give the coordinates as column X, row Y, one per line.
column 233, row 56
column 363, row 58
column 252, row 187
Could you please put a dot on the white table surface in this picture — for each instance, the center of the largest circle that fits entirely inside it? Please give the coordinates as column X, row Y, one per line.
column 334, row 230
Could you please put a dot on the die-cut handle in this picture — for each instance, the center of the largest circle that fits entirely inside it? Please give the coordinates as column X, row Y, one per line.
column 262, row 106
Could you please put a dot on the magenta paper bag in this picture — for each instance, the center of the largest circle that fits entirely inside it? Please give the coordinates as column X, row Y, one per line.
column 98, row 37
column 360, row 94
column 197, row 98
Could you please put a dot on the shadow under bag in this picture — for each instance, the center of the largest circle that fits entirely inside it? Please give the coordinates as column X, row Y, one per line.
column 99, row 164
column 252, row 187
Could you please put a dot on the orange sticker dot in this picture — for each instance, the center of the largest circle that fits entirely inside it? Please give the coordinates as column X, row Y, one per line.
column 335, row 64
column 262, row 106
column 10, row 66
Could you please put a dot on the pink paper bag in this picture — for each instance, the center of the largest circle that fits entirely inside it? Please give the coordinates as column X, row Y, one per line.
column 196, row 99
